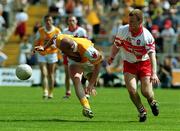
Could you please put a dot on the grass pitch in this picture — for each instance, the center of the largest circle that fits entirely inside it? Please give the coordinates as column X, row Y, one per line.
column 23, row 109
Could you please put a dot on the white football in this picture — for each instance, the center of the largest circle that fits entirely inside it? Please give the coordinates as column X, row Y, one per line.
column 23, row 71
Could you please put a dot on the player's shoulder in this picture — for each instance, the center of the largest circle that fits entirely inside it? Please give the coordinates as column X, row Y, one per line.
column 123, row 28
column 81, row 28
column 146, row 32
column 147, row 35
column 65, row 30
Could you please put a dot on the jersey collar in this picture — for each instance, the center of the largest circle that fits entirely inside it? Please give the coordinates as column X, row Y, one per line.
column 138, row 32
column 49, row 31
column 71, row 29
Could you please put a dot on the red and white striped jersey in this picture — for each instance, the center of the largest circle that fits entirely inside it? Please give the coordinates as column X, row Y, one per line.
column 78, row 32
column 134, row 48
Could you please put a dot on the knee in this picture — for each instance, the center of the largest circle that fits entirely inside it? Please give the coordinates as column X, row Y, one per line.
column 78, row 76
column 132, row 91
column 52, row 76
column 147, row 94
column 44, row 75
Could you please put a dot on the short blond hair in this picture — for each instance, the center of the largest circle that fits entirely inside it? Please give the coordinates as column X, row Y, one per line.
column 138, row 13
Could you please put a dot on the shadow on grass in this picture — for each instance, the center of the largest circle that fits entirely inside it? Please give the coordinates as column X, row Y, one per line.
column 60, row 120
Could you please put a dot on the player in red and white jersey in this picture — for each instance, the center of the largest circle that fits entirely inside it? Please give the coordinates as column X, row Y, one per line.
column 74, row 29
column 135, row 47
column 138, row 52
column 77, row 31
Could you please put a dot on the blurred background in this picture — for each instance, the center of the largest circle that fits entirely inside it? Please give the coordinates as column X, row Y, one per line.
column 20, row 20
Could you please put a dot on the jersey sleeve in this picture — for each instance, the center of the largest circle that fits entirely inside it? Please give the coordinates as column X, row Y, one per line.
column 149, row 42
column 64, row 31
column 93, row 55
column 82, row 33
column 118, row 37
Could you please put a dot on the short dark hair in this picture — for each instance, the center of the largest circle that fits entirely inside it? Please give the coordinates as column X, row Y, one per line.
column 138, row 13
column 47, row 16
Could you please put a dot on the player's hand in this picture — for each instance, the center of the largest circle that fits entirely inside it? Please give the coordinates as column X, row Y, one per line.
column 39, row 48
column 154, row 79
column 55, row 36
column 91, row 91
column 110, row 60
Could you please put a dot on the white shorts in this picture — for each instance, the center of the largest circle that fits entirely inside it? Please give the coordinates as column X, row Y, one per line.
column 87, row 67
column 49, row 58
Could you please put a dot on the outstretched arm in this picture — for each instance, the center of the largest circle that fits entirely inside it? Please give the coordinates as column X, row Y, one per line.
column 48, row 44
column 93, row 79
column 51, row 41
column 114, row 51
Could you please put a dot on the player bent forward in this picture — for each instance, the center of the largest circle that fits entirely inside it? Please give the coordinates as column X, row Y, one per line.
column 84, row 60
column 138, row 49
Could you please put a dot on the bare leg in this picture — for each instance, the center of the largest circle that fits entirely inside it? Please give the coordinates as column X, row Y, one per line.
column 147, row 89
column 131, row 85
column 51, row 74
column 67, row 81
column 76, row 75
column 44, row 76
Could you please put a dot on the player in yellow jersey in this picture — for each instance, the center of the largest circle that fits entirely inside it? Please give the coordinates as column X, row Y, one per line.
column 78, row 31
column 84, row 60
column 47, row 59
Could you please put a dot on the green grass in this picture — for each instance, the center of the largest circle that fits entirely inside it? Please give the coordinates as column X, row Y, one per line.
column 22, row 109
